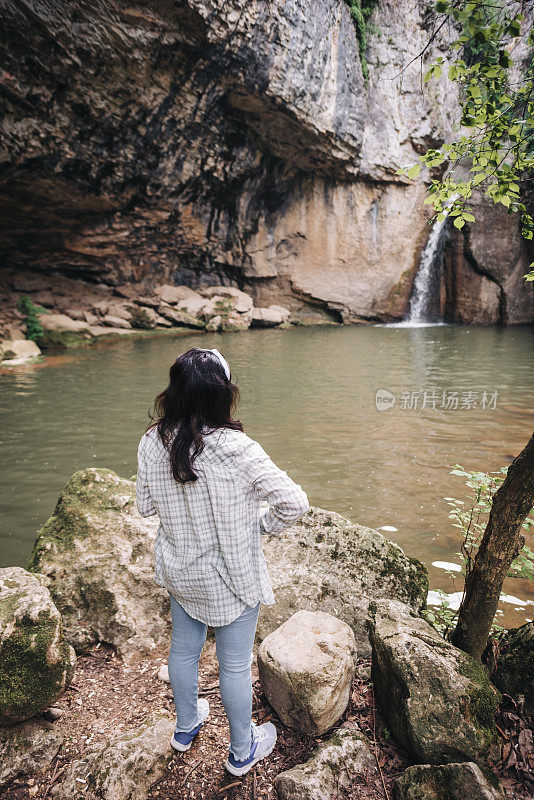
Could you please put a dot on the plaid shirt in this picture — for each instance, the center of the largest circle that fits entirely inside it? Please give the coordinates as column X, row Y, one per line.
column 208, row 548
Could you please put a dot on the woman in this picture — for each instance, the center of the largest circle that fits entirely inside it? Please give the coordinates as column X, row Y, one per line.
column 205, row 479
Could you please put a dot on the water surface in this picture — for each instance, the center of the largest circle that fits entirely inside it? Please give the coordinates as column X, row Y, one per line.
column 308, row 395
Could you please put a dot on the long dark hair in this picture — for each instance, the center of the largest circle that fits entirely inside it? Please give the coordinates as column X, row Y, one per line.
column 199, row 397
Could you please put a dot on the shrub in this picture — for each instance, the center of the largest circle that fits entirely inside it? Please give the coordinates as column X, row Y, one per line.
column 30, row 312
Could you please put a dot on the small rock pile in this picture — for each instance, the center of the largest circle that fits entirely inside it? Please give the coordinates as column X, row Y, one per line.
column 74, row 319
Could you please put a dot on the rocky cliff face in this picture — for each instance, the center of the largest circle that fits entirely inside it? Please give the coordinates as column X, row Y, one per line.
column 200, row 142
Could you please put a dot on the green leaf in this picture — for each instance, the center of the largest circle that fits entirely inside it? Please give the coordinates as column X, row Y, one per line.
column 459, row 222
column 414, row 171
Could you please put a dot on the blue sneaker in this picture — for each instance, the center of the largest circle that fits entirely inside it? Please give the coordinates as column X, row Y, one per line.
column 182, row 741
column 263, row 742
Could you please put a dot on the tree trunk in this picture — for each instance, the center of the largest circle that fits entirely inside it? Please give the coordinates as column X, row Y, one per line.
column 501, row 543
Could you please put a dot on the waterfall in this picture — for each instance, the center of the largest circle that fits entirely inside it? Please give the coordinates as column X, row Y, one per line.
column 425, row 281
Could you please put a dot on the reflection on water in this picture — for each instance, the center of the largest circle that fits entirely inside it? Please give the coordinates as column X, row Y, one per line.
column 308, row 395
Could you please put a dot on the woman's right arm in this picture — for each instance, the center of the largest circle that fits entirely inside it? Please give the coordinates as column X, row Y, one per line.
column 287, row 500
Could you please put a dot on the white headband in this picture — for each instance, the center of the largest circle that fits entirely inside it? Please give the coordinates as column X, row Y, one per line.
column 220, row 357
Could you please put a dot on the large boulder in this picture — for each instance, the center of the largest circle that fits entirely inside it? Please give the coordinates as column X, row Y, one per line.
column 36, row 663
column 241, row 301
column 322, row 563
column 18, row 350
column 306, row 669
column 173, row 294
column 98, row 554
column 332, row 766
column 514, row 673
column 326, row 562
column 60, row 331
column 179, row 316
column 437, row 701
column 463, row 781
column 125, row 767
column 27, row 748
column 267, row 317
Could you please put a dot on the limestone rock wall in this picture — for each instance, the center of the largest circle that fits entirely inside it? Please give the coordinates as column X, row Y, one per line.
column 200, row 142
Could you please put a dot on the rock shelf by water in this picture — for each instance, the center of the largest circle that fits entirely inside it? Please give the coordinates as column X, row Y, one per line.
column 95, row 554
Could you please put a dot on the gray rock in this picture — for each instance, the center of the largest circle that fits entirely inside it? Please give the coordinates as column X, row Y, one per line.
column 306, row 668
column 125, row 767
column 115, row 322
column 27, row 748
column 60, row 331
column 173, row 294
column 241, row 301
column 53, row 713
column 20, row 349
column 323, row 563
column 36, row 663
column 103, row 598
column 214, row 323
column 438, row 702
column 326, row 562
column 178, row 316
column 514, row 673
column 163, row 673
column 266, row 317
column 119, row 310
column 335, row 763
column 464, row 781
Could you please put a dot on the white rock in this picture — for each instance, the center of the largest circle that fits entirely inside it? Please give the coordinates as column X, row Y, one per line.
column 75, row 313
column 27, row 748
column 118, row 310
column 163, row 674
column 100, row 330
column 266, row 317
column 62, row 322
column 242, row 301
column 19, row 349
column 173, row 294
column 214, row 323
column 285, row 312
column 332, row 765
column 115, row 322
column 123, row 768
column 193, row 304
column 306, row 668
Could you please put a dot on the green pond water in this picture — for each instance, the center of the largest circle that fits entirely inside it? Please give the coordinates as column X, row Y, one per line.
column 309, row 396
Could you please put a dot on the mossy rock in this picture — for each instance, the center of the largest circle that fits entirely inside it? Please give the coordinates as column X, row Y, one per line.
column 36, row 663
column 90, row 494
column 57, row 339
column 338, row 763
column 326, row 562
column 460, row 781
column 438, row 702
column 98, row 553
column 124, row 767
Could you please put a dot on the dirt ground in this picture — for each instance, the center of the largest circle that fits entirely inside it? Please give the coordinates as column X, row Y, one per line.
column 107, row 697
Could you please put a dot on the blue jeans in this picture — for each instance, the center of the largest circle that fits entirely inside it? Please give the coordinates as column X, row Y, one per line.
column 234, row 653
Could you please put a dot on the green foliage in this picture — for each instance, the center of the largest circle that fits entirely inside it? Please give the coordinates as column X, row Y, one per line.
column 496, row 139
column 470, row 517
column 140, row 319
column 30, row 311
column 360, row 11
